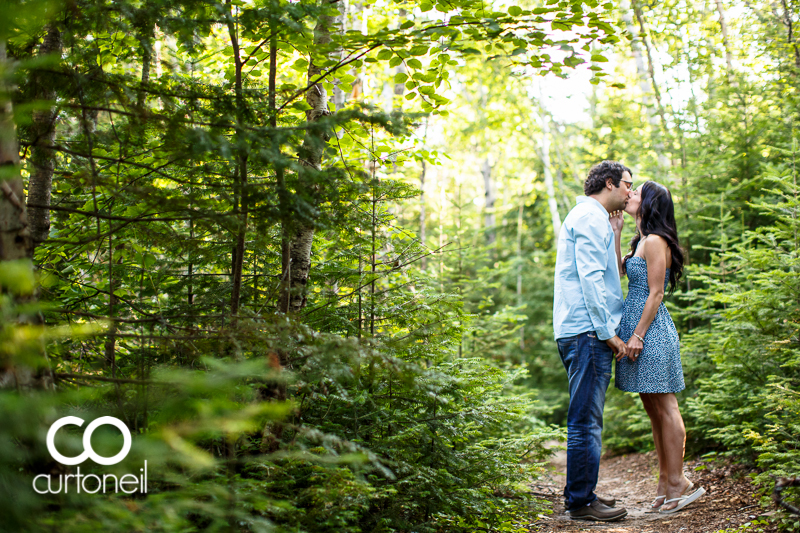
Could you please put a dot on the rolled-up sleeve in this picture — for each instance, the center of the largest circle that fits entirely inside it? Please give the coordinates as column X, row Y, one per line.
column 591, row 258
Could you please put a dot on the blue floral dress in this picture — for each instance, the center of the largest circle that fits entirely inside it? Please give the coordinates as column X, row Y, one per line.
column 658, row 367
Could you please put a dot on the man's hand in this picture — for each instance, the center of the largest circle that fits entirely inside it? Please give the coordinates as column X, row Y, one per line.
column 617, row 219
column 618, row 347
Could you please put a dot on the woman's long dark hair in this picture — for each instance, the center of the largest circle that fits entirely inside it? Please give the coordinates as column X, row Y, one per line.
column 657, row 213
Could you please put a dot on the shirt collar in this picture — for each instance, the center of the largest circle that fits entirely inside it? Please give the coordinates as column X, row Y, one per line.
column 593, row 202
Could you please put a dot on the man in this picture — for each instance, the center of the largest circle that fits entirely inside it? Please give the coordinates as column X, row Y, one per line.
column 587, row 309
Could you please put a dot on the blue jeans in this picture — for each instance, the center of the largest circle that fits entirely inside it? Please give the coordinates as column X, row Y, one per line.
column 587, row 360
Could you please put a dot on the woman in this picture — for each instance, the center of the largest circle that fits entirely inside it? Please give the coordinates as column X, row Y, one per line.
column 653, row 364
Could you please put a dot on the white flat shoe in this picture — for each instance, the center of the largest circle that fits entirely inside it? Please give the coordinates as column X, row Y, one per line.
column 683, row 501
column 655, row 505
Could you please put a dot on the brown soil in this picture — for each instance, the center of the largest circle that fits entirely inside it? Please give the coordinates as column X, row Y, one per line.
column 728, row 503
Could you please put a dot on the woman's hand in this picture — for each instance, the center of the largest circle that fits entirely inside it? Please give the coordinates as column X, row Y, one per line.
column 635, row 347
column 617, row 220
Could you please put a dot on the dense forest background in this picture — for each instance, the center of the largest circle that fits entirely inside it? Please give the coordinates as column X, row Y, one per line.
column 304, row 250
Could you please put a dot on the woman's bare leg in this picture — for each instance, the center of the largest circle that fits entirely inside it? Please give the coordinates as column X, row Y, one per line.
column 673, row 442
column 651, row 407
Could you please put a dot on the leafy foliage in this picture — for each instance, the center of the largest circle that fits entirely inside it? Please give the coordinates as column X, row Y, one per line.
column 186, row 153
column 412, row 388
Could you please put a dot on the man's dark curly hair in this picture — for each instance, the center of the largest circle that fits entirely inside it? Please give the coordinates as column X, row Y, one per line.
column 596, row 181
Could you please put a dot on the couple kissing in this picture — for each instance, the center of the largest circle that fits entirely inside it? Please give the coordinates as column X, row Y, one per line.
column 593, row 325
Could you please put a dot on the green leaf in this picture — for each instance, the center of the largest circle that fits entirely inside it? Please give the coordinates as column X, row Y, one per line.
column 400, row 77
column 415, row 63
column 419, row 50
column 597, row 58
column 515, row 11
column 385, row 54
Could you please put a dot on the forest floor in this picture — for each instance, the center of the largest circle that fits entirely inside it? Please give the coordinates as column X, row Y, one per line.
column 729, row 502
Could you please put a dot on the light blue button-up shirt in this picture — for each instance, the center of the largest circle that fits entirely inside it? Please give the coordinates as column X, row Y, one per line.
column 588, row 293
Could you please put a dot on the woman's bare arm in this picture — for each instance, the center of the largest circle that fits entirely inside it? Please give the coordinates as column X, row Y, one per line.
column 655, row 253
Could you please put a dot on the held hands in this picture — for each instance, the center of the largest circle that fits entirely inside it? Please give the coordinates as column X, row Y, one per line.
column 618, row 347
column 617, row 219
column 635, row 347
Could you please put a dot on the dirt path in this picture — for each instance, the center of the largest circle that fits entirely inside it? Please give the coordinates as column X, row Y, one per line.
column 631, row 479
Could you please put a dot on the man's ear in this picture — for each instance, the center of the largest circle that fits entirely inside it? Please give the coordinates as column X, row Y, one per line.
column 610, row 184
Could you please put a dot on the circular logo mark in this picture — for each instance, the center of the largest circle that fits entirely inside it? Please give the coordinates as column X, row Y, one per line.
column 88, row 452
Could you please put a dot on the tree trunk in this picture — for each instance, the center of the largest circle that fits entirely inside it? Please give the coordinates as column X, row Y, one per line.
column 562, row 164
column 424, row 262
column 339, row 97
column 43, row 132
column 650, row 68
column 724, row 27
column 310, row 155
column 399, row 88
column 283, row 196
column 787, row 21
column 489, row 198
column 16, row 243
column 240, row 173
column 361, row 84
column 300, row 261
column 548, row 175
column 520, row 212
column 110, row 347
column 625, row 8
column 15, row 235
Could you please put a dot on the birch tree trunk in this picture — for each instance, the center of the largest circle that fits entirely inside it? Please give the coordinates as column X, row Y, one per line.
column 519, row 268
column 339, row 97
column 423, row 262
column 548, row 175
column 724, row 27
column 562, row 164
column 399, row 88
column 15, row 235
column 16, row 243
column 302, row 235
column 43, row 134
column 490, row 196
column 361, row 84
column 650, row 67
column 625, row 8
